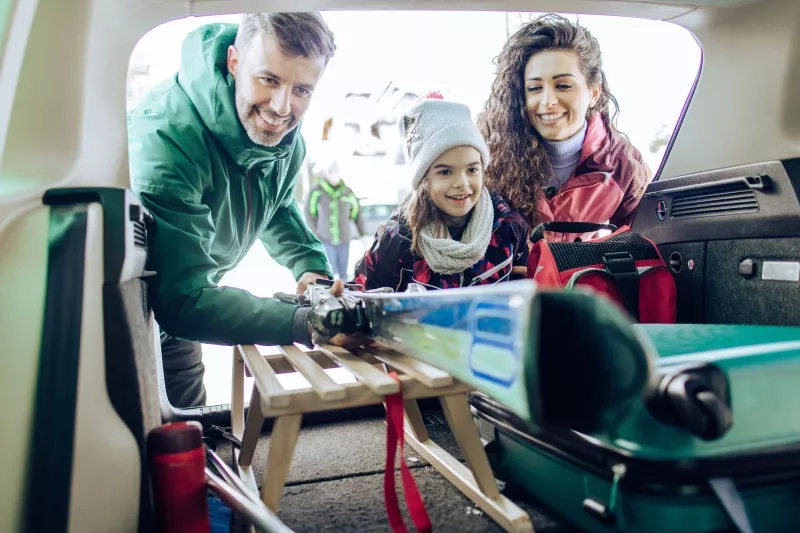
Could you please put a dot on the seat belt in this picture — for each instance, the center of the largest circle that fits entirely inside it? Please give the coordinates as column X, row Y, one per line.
column 732, row 502
column 622, row 267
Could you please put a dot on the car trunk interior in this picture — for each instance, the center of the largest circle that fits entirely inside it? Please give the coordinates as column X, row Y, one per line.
column 730, row 239
column 724, row 212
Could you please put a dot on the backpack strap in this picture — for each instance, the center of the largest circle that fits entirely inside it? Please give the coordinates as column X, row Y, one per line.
column 622, row 267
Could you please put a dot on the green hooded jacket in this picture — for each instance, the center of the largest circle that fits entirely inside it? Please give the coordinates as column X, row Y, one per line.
column 213, row 192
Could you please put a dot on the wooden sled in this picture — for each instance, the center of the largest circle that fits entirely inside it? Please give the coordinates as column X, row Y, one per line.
column 418, row 380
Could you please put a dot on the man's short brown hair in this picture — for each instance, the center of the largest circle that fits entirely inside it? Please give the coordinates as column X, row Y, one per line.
column 297, row 34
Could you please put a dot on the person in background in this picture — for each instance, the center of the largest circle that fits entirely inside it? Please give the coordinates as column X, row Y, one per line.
column 451, row 231
column 550, row 123
column 332, row 212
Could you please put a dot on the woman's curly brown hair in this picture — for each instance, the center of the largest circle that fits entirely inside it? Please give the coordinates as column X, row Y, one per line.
column 520, row 167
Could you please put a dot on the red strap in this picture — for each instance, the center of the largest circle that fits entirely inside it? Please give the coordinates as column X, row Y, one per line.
column 394, row 433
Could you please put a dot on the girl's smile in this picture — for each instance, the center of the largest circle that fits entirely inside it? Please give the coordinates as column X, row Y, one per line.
column 455, row 181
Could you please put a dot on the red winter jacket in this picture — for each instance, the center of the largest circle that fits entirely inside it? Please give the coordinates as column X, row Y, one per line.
column 604, row 187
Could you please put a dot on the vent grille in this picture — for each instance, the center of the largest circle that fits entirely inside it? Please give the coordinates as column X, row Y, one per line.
column 728, row 199
column 139, row 235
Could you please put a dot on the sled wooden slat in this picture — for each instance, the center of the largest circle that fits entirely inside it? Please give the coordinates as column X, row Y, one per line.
column 321, row 383
column 375, row 380
column 417, row 380
column 281, row 365
column 423, row 372
column 357, row 395
column 272, row 392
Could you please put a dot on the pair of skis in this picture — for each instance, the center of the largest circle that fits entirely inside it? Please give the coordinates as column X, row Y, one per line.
column 553, row 357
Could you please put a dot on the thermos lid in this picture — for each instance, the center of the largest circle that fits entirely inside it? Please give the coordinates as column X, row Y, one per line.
column 175, row 437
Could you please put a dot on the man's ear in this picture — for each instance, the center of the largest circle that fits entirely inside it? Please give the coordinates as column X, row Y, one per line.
column 233, row 60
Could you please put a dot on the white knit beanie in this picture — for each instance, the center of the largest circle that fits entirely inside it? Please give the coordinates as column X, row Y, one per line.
column 431, row 127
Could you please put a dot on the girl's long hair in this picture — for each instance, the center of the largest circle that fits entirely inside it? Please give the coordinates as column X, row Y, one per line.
column 419, row 210
column 520, row 167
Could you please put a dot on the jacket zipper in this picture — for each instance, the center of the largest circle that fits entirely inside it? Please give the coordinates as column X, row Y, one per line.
column 606, row 176
column 249, row 207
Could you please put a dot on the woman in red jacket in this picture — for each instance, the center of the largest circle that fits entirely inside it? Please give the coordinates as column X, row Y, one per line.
column 556, row 151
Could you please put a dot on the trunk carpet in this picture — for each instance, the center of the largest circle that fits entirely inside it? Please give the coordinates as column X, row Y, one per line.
column 335, row 482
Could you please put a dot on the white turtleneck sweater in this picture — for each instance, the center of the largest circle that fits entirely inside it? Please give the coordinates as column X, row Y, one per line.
column 564, row 156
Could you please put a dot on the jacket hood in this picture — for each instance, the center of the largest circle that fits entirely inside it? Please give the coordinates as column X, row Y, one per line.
column 205, row 79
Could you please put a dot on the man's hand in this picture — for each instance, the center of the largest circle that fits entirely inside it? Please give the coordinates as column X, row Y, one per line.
column 351, row 341
column 347, row 341
column 337, row 289
column 308, row 279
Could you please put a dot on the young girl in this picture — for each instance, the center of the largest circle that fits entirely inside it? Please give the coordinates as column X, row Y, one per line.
column 450, row 231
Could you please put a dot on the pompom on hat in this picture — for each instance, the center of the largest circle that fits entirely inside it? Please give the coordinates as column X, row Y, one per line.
column 434, row 125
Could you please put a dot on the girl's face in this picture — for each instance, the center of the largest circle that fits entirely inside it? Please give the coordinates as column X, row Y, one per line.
column 557, row 95
column 454, row 182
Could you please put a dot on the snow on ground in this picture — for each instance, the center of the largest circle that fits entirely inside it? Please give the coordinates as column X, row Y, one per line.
column 262, row 276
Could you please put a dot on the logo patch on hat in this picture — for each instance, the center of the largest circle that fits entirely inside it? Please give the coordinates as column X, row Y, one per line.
column 410, row 129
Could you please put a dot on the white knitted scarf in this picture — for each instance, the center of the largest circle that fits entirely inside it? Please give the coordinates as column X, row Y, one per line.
column 448, row 256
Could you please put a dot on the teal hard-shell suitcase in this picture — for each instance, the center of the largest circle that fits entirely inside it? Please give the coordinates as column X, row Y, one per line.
column 713, row 446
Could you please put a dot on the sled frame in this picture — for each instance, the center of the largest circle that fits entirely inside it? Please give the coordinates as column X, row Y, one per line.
column 370, row 366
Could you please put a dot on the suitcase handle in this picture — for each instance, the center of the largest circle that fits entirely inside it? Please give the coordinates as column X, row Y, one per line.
column 568, row 227
column 695, row 398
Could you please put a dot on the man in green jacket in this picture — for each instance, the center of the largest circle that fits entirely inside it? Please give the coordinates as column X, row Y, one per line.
column 215, row 153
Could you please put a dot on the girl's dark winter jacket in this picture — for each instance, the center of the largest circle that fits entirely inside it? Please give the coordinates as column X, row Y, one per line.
column 390, row 263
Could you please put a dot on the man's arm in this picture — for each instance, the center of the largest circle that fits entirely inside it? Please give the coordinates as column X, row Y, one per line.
column 288, row 238
column 187, row 302
column 290, row 242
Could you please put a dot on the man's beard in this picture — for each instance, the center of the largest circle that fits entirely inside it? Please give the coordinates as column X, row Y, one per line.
column 247, row 116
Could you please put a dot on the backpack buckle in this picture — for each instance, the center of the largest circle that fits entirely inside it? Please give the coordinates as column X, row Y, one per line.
column 619, row 263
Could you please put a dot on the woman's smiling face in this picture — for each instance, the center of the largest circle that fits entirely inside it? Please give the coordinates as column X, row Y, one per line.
column 557, row 95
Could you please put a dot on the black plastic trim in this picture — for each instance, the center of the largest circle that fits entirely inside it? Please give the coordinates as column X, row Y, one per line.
column 50, row 470
column 665, row 478
column 113, row 217
column 689, row 282
column 792, row 167
column 776, row 216
column 119, row 345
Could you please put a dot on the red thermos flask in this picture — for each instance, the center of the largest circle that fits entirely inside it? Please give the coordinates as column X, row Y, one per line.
column 177, row 460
